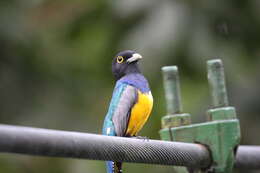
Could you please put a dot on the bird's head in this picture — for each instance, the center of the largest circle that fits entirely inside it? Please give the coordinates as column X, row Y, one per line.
column 124, row 63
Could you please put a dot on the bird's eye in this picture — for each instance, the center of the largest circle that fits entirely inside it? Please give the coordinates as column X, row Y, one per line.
column 119, row 59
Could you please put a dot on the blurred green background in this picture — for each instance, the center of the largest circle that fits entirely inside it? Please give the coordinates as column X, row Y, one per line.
column 55, row 65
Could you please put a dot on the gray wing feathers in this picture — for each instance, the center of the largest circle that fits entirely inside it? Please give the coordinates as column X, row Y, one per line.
column 123, row 110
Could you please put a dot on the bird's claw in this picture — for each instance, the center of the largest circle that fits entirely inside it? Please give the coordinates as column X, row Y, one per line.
column 145, row 138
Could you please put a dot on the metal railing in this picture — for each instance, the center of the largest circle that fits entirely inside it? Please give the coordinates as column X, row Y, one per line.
column 57, row 143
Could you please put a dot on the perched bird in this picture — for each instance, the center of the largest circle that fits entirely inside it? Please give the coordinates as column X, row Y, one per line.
column 131, row 102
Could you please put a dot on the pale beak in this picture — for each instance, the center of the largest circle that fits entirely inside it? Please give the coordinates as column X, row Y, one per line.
column 135, row 57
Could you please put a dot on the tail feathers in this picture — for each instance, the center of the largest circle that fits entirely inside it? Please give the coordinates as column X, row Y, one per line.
column 114, row 167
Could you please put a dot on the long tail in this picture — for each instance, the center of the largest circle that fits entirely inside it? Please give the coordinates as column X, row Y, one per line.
column 114, row 167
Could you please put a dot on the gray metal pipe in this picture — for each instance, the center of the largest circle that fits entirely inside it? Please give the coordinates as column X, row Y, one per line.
column 248, row 157
column 43, row 142
column 56, row 143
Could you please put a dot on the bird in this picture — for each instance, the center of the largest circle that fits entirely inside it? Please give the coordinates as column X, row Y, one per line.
column 131, row 102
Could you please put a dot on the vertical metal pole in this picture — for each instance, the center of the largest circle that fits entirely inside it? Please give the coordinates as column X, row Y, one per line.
column 227, row 129
column 172, row 89
column 217, row 84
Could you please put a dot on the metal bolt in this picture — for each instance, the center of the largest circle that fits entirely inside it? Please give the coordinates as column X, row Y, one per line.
column 216, row 78
column 172, row 89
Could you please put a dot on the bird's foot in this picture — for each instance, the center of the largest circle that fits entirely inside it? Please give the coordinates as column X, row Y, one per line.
column 145, row 138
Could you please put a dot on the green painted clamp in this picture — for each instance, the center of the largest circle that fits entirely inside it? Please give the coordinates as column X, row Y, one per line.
column 220, row 134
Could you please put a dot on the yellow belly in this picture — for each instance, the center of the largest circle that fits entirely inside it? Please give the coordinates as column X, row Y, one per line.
column 140, row 113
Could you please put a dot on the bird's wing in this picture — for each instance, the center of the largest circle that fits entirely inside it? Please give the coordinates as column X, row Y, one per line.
column 123, row 99
column 121, row 113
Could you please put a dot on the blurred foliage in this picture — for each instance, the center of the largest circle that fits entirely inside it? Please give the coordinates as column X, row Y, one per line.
column 55, row 64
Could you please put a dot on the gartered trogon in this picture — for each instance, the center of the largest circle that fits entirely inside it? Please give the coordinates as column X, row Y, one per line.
column 131, row 102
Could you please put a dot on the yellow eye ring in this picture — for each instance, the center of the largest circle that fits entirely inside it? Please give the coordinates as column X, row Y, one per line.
column 119, row 59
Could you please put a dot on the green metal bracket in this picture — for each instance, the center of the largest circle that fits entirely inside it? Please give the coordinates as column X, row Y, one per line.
column 221, row 133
